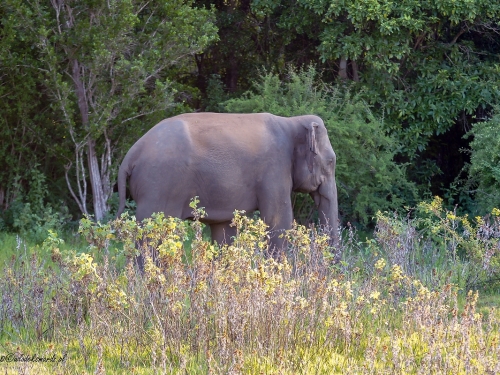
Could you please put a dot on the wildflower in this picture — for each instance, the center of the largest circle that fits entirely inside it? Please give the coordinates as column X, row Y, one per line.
column 424, row 292
column 201, row 286
column 436, row 203
column 329, row 322
column 333, row 284
column 375, row 295
column 342, row 310
column 380, row 264
column 177, row 307
column 347, row 289
column 397, row 273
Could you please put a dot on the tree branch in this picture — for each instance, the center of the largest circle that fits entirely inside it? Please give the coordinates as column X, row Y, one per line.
column 83, row 209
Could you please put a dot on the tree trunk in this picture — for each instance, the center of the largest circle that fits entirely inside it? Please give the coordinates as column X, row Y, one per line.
column 343, row 68
column 99, row 200
column 355, row 75
column 233, row 74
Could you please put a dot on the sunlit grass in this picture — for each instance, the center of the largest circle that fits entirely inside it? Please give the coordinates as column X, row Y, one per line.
column 236, row 311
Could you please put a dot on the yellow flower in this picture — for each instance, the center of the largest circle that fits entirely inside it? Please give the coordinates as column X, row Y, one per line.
column 380, row 264
column 375, row 295
column 437, row 203
column 302, row 302
column 397, row 273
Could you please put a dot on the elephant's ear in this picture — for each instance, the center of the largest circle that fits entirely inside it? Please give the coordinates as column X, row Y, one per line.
column 311, row 144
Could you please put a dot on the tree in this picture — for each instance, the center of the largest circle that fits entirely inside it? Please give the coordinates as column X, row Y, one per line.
column 24, row 120
column 105, row 66
column 426, row 64
column 249, row 40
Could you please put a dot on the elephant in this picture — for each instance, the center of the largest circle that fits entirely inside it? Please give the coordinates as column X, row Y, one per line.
column 232, row 162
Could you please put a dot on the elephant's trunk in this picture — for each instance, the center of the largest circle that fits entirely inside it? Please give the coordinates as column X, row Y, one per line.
column 326, row 200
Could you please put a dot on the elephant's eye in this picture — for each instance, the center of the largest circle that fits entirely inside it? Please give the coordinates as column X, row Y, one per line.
column 330, row 161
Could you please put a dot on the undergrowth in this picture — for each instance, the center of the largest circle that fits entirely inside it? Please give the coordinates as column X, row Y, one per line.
column 199, row 309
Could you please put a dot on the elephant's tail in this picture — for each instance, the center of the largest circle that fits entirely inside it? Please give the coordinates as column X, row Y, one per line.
column 123, row 174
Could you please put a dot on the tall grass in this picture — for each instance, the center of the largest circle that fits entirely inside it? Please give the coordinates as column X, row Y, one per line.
column 200, row 309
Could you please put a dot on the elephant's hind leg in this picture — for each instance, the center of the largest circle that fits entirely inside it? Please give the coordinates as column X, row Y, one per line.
column 223, row 233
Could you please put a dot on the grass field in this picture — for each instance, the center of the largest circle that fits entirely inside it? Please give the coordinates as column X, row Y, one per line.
column 398, row 303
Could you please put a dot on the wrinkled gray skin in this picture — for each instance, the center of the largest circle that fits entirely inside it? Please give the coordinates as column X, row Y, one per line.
column 232, row 162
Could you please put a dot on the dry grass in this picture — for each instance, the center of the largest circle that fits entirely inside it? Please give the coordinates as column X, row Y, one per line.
column 235, row 311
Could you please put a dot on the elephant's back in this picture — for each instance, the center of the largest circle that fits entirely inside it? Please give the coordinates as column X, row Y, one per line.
column 198, row 131
column 212, row 143
column 170, row 133
column 224, row 134
column 246, row 139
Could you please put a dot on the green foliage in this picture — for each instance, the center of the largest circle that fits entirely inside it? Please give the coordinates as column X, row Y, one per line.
column 426, row 68
column 247, row 43
column 110, row 71
column 368, row 178
column 30, row 214
column 426, row 64
column 216, row 94
column 484, row 171
column 442, row 94
column 29, row 135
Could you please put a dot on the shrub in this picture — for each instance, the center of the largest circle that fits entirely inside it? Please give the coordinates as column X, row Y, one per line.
column 29, row 214
column 484, row 169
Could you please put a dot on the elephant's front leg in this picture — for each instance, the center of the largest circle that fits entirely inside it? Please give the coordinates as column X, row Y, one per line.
column 277, row 213
column 223, row 233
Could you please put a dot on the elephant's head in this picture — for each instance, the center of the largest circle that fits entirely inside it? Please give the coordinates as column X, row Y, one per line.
column 314, row 171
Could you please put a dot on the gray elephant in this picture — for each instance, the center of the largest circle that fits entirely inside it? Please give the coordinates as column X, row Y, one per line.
column 232, row 162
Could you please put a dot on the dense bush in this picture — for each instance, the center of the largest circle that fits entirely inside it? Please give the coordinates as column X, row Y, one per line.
column 31, row 214
column 484, row 170
column 368, row 178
